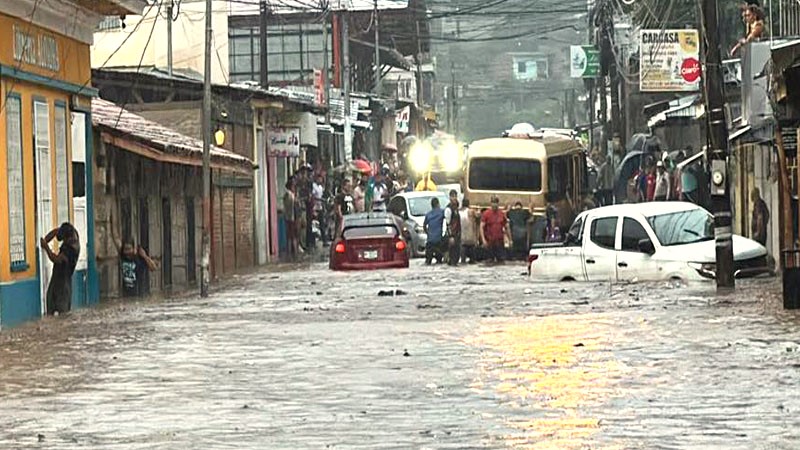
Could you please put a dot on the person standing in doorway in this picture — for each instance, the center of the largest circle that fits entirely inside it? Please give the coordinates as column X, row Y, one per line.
column 760, row 221
column 59, row 291
column 434, row 229
column 453, row 218
column 134, row 265
column 494, row 230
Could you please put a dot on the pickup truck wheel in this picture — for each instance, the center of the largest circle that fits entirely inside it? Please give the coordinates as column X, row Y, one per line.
column 568, row 279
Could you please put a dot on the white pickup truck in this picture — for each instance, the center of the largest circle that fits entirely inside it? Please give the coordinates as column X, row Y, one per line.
column 642, row 242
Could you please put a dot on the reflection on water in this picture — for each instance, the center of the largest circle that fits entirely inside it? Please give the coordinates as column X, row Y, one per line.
column 549, row 372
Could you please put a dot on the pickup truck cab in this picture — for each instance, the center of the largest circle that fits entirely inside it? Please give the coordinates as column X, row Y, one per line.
column 642, row 242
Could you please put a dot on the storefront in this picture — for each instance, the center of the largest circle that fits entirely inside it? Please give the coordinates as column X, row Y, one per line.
column 45, row 137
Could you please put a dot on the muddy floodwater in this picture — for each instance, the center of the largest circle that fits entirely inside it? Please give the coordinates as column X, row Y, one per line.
column 473, row 357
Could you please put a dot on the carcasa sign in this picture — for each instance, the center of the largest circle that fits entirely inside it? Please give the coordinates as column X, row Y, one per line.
column 669, row 61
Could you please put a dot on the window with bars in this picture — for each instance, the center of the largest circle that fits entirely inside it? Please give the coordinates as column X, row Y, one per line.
column 110, row 23
column 294, row 51
column 16, row 183
column 62, row 165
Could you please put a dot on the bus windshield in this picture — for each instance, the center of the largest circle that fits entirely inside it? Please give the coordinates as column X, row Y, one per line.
column 505, row 174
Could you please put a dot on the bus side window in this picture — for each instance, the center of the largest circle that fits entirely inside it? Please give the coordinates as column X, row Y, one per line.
column 558, row 177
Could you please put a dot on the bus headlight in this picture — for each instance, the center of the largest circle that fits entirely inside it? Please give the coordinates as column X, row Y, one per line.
column 450, row 157
column 420, row 157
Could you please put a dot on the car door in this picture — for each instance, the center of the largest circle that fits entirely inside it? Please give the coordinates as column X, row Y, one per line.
column 632, row 263
column 599, row 254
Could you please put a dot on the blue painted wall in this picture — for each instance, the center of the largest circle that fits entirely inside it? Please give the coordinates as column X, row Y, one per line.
column 19, row 302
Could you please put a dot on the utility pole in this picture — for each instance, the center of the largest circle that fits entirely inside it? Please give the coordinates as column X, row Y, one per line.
column 348, row 130
column 262, row 44
column 377, row 52
column 420, row 97
column 718, row 142
column 453, row 100
column 326, row 80
column 206, row 260
column 169, row 37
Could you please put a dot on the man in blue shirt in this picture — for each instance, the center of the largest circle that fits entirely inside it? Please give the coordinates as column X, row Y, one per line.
column 434, row 228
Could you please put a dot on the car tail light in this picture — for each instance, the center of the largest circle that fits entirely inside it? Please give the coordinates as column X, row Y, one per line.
column 400, row 246
column 532, row 258
column 339, row 248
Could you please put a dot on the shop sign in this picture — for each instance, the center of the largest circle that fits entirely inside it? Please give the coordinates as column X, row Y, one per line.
column 670, row 61
column 402, row 119
column 283, row 142
column 584, row 61
column 36, row 49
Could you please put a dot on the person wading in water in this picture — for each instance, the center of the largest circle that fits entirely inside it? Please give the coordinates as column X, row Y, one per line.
column 59, row 291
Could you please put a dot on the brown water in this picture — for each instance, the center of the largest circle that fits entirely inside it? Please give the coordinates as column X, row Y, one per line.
column 313, row 359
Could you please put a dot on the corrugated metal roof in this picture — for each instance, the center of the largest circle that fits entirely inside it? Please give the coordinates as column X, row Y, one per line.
column 123, row 123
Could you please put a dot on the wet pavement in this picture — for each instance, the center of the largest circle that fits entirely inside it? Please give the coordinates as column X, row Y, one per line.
column 473, row 357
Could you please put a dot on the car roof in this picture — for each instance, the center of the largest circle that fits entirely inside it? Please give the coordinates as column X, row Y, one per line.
column 369, row 219
column 646, row 209
column 421, row 194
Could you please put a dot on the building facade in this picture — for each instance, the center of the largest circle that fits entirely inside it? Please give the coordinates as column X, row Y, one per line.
column 45, row 142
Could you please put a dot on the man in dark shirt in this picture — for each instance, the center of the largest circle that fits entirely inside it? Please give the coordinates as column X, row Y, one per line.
column 135, row 264
column 343, row 204
column 434, row 228
column 59, row 291
column 518, row 218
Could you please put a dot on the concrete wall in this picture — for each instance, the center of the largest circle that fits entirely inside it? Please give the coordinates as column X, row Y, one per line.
column 188, row 39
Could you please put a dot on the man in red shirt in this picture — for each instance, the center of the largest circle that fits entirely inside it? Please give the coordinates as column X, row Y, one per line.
column 494, row 230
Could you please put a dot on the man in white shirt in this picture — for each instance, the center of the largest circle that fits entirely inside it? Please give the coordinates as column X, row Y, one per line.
column 662, row 183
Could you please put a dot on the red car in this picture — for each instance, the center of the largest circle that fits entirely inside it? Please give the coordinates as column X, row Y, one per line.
column 369, row 241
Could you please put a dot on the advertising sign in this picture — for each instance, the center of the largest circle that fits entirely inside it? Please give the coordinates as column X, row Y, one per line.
column 584, row 61
column 283, row 142
column 402, row 118
column 670, row 61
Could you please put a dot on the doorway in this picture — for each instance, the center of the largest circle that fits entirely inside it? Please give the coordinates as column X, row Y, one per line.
column 144, row 239
column 191, row 250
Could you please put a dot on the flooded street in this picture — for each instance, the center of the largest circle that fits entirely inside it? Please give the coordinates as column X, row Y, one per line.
column 467, row 358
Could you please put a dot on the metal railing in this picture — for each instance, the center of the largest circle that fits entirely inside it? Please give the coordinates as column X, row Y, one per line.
column 786, row 17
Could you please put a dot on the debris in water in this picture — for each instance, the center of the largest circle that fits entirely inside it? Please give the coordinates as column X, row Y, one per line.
column 405, row 353
column 579, row 344
column 528, row 291
column 40, row 437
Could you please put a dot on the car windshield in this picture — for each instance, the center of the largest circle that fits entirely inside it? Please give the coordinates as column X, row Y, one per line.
column 684, row 227
column 419, row 206
column 372, row 231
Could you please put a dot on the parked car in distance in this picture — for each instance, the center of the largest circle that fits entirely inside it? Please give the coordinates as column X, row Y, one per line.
column 642, row 242
column 369, row 241
column 411, row 207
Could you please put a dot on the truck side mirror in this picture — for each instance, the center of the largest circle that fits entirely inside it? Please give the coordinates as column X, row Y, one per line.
column 646, row 246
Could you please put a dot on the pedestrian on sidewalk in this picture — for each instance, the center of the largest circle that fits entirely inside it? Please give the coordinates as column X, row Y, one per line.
column 290, row 216
column 434, row 229
column 343, row 204
column 663, row 183
column 758, row 225
column 494, row 231
column 59, row 291
column 453, row 218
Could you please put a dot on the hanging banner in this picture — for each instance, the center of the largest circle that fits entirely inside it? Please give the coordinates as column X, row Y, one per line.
column 402, row 119
column 584, row 61
column 283, row 142
column 669, row 61
column 319, row 87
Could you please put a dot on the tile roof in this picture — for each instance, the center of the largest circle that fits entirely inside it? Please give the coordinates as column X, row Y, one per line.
column 123, row 123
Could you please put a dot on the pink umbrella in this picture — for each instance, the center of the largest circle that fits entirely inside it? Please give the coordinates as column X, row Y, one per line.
column 362, row 166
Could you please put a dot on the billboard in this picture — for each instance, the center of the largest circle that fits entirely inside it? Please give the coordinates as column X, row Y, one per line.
column 584, row 61
column 283, row 142
column 669, row 61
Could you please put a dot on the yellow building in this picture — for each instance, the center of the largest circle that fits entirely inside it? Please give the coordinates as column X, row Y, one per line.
column 45, row 142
